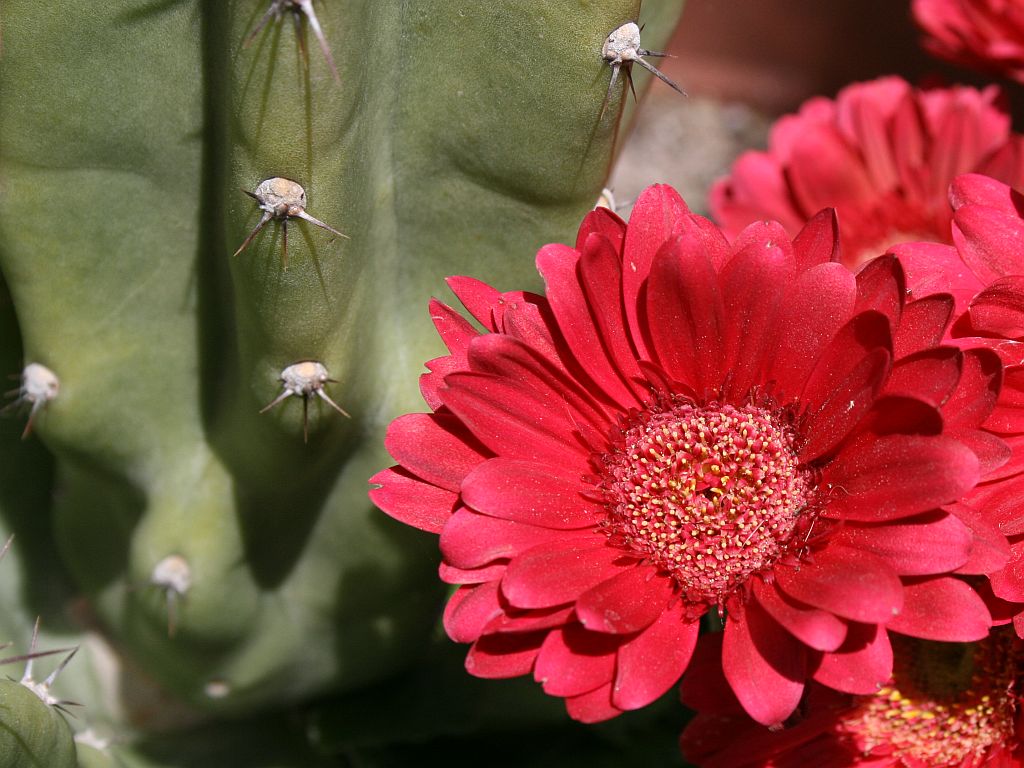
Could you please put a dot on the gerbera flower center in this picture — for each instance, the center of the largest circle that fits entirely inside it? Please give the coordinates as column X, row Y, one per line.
column 947, row 704
column 710, row 494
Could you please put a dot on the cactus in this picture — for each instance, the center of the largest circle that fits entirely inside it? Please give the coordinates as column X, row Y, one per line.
column 34, row 733
column 229, row 554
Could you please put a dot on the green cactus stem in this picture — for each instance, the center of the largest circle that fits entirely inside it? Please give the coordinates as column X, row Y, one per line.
column 33, row 734
column 232, row 554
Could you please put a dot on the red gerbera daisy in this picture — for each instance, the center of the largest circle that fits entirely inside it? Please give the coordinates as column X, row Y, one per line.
column 985, row 271
column 947, row 705
column 882, row 154
column 683, row 426
column 984, row 34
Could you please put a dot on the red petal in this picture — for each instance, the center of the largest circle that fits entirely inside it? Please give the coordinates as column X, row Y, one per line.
column 897, row 476
column 978, row 189
column 756, row 188
column 753, row 283
column 594, row 706
column 432, row 383
column 478, row 298
column 527, row 318
column 559, row 266
column 512, row 421
column 862, row 665
column 532, row 620
column 652, row 662
column 826, row 170
column 471, row 540
column 897, row 416
column 818, row 305
column 628, row 602
column 989, row 548
column 992, row 452
column 944, row 609
column 989, row 241
column 411, row 501
column 863, row 114
column 816, row 628
column 998, row 310
column 712, row 741
column 978, row 389
column 881, row 288
column 937, row 268
column 452, row 575
column 931, row 375
column 847, row 582
column 469, row 610
column 531, row 492
column 658, row 217
column 818, row 241
column 764, row 665
column 844, row 406
column 573, row 661
column 502, row 656
column 455, row 331
column 429, row 446
column 1003, row 612
column 923, row 324
column 863, row 335
column 909, row 140
column 1008, row 415
column 1008, row 583
column 999, row 503
column 601, row 275
column 537, row 373
column 934, row 542
column 684, row 315
column 558, row 572
column 603, row 222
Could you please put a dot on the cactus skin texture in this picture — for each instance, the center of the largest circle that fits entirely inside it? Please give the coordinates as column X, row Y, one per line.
column 461, row 137
column 34, row 734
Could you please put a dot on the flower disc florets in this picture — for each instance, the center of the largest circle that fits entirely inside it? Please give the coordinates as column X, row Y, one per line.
column 709, row 494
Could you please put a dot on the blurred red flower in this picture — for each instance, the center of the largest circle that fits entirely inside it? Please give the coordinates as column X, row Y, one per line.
column 882, row 154
column 945, row 706
column 683, row 426
column 983, row 34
